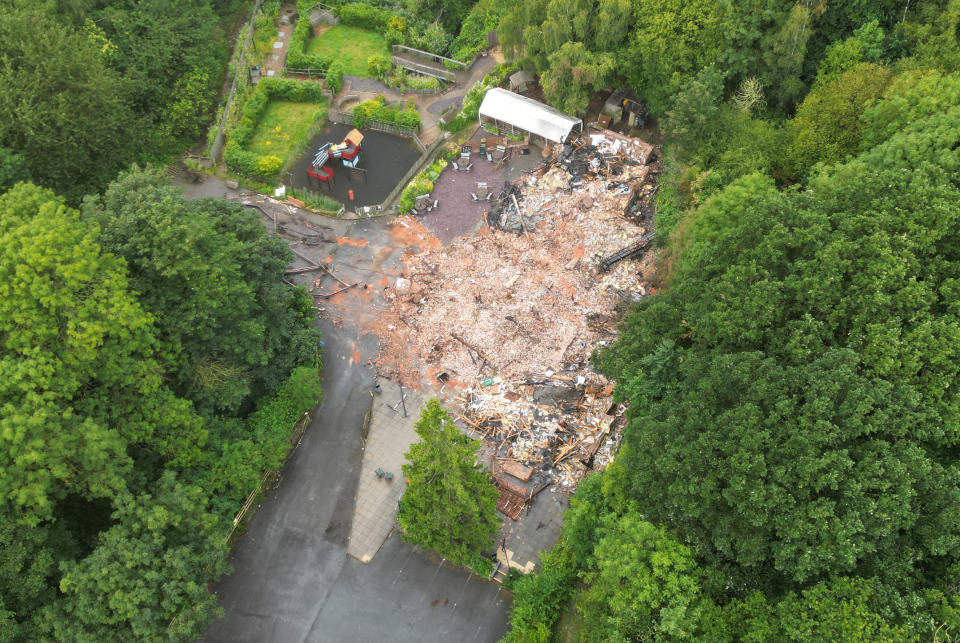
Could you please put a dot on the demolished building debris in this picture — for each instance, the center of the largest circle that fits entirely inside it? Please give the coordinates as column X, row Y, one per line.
column 507, row 319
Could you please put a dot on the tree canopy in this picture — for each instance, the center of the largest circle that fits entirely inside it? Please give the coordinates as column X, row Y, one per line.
column 116, row 494
column 90, row 86
column 792, row 388
column 450, row 504
column 229, row 327
column 78, row 362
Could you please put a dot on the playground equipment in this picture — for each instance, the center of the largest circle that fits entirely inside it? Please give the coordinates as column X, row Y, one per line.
column 347, row 151
column 318, row 169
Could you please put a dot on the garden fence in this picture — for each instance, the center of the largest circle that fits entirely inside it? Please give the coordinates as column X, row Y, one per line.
column 346, row 118
column 216, row 149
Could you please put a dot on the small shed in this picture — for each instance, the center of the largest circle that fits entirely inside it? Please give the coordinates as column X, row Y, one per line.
column 520, row 81
column 518, row 115
column 622, row 105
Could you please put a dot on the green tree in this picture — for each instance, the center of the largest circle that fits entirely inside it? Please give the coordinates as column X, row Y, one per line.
column 791, row 393
column 784, row 50
column 26, row 568
column 147, row 579
column 449, row 14
column 641, row 584
column 671, row 42
column 910, row 98
column 693, row 114
column 60, row 108
column 450, row 504
column 839, row 609
column 211, row 274
column 190, row 102
column 78, row 379
column 932, row 34
column 13, row 169
column 574, row 76
column 167, row 53
column 865, row 45
column 827, row 126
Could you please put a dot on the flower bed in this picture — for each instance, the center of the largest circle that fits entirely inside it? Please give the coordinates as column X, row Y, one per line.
column 422, row 183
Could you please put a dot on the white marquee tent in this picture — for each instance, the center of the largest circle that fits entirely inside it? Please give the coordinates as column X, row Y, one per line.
column 522, row 113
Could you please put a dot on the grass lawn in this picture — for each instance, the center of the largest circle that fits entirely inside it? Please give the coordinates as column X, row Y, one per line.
column 351, row 46
column 283, row 127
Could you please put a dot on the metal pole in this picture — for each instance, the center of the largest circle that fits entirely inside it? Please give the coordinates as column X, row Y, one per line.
column 403, row 401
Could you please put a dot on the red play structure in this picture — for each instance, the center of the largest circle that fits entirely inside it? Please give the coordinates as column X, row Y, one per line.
column 348, row 151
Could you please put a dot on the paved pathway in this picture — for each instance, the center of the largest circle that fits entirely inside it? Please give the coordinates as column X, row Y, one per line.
column 278, row 54
column 293, row 581
column 388, row 440
column 367, row 88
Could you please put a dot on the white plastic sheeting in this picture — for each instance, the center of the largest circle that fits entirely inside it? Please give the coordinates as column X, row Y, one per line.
column 527, row 114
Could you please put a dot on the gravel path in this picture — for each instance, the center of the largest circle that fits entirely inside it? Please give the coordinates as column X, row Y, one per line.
column 364, row 84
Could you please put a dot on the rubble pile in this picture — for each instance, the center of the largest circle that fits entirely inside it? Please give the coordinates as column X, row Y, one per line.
column 544, row 429
column 511, row 315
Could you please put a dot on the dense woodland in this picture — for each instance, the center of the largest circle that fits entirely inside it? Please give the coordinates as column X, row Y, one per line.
column 152, row 361
column 790, row 469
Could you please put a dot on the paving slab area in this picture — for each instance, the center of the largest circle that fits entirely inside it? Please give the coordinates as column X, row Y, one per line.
column 388, row 439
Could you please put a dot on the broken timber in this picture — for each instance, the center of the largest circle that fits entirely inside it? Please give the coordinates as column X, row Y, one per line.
column 515, row 469
column 633, row 249
column 335, row 292
column 471, row 347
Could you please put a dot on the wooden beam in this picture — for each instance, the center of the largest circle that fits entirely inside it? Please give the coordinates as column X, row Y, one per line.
column 471, row 347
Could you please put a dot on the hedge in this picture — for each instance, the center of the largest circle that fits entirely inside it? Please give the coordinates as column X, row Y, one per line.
column 376, row 110
column 242, row 461
column 335, row 77
column 235, row 154
column 297, row 56
column 356, row 14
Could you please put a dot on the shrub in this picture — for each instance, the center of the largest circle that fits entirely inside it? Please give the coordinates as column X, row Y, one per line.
column 433, row 39
column 316, row 201
column 291, row 90
column 422, row 183
column 401, row 79
column 268, row 165
column 396, row 31
column 335, row 77
column 378, row 66
column 376, row 109
column 471, row 102
column 415, row 81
